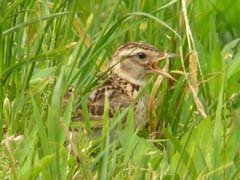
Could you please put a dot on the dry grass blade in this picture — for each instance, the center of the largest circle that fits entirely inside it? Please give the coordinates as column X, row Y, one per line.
column 82, row 32
column 11, row 158
column 194, row 91
column 193, row 59
column 194, row 63
column 152, row 98
column 72, row 146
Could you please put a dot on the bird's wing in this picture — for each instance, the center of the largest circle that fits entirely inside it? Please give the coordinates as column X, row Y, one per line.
column 119, row 93
column 117, row 97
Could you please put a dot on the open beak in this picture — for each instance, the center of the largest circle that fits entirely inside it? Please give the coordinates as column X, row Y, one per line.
column 155, row 69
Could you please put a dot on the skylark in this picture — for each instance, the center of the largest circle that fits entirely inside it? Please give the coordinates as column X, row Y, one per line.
column 127, row 75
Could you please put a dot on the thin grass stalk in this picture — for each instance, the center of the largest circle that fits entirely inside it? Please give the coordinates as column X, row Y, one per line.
column 1, row 83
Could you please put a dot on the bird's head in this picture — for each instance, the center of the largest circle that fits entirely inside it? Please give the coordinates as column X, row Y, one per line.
column 133, row 61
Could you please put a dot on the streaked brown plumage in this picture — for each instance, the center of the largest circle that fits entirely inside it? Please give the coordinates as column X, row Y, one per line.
column 129, row 67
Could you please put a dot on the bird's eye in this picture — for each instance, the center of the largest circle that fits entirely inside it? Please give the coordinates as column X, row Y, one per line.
column 141, row 55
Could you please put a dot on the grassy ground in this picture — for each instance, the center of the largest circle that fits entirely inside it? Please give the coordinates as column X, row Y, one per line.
column 47, row 47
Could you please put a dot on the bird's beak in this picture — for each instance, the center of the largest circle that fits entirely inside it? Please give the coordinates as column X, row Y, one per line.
column 155, row 69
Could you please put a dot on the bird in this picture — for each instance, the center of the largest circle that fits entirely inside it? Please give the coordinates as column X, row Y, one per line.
column 127, row 74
